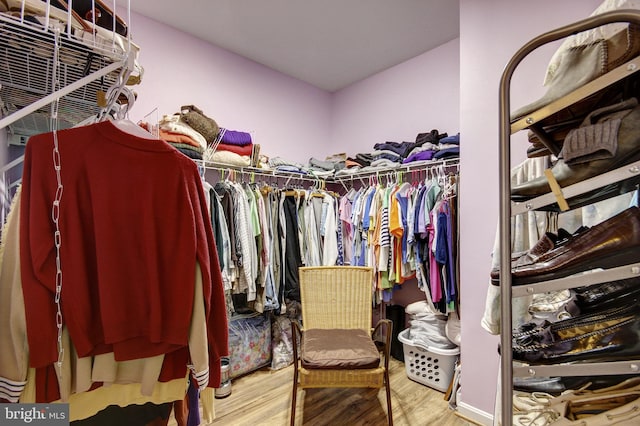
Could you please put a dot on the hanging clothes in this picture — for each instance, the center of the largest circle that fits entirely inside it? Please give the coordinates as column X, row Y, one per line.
column 135, row 281
column 396, row 228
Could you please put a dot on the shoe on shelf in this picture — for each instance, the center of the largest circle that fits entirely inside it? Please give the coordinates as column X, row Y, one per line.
column 620, row 408
column 549, row 241
column 555, row 132
column 606, row 295
column 611, row 243
column 606, row 336
column 616, row 151
column 557, row 386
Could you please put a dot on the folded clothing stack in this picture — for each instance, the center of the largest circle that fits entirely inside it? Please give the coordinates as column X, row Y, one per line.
column 434, row 146
column 190, row 131
column 427, row 146
column 284, row 165
column 235, row 147
column 324, row 168
column 182, row 136
column 390, row 153
column 428, row 329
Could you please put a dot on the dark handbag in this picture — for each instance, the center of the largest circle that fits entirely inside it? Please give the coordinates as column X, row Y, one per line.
column 199, row 122
column 95, row 9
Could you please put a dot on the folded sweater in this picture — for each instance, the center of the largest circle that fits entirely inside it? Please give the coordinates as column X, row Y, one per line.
column 234, row 137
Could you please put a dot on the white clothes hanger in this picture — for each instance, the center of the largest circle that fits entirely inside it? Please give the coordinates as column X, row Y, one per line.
column 122, row 122
column 128, row 126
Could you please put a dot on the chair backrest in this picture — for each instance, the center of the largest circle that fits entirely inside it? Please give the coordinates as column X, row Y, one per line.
column 336, row 297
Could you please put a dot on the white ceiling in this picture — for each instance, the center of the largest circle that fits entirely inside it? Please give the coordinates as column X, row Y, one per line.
column 327, row 43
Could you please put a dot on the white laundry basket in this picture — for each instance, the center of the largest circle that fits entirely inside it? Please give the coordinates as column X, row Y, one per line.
column 432, row 367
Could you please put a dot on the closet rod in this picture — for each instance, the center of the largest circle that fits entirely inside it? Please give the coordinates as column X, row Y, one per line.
column 250, row 171
column 220, row 167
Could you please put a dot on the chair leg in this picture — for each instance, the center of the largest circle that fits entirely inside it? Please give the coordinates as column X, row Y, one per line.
column 293, row 397
column 388, row 389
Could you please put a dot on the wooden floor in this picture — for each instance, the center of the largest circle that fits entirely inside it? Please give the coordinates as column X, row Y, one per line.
column 264, row 398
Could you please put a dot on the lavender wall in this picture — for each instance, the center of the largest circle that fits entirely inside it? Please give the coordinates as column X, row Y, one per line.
column 491, row 31
column 287, row 117
column 416, row 96
column 451, row 88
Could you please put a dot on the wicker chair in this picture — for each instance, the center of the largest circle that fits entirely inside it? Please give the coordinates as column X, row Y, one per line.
column 336, row 320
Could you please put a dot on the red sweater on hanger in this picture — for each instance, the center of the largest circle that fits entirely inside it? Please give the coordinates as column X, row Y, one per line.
column 133, row 223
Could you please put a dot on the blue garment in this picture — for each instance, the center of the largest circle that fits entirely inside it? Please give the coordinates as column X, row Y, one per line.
column 404, row 207
column 387, row 155
column 441, row 253
column 366, row 219
column 416, row 228
column 358, row 248
column 400, row 148
column 455, row 139
column 451, row 267
column 447, row 153
column 444, row 252
column 290, row 169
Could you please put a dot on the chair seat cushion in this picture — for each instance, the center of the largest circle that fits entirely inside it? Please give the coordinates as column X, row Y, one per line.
column 338, row 349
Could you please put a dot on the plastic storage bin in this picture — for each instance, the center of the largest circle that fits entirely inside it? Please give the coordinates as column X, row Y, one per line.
column 432, row 367
column 249, row 343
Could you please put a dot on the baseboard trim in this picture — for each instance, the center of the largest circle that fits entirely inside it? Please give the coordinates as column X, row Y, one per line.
column 473, row 414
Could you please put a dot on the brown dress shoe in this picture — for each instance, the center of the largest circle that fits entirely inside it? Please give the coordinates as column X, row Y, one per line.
column 614, row 242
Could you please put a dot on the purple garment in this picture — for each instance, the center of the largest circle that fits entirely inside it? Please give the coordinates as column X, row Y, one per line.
column 234, row 137
column 435, row 281
column 193, row 397
column 420, row 156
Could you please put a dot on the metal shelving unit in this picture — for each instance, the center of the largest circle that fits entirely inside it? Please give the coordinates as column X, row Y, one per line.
column 509, row 208
column 92, row 68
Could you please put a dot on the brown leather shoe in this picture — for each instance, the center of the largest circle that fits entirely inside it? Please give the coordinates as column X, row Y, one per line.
column 549, row 241
column 614, row 242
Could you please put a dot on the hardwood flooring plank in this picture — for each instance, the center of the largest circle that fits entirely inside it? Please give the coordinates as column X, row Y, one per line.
column 264, row 398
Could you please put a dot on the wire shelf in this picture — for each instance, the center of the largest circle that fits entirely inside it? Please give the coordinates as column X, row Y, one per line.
column 26, row 68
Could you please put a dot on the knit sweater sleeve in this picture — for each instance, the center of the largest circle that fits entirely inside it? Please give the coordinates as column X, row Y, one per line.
column 36, row 256
column 14, row 356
